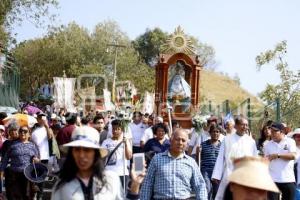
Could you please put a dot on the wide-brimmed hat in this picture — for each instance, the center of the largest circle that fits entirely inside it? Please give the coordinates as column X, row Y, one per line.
column 296, row 131
column 87, row 137
column 253, row 172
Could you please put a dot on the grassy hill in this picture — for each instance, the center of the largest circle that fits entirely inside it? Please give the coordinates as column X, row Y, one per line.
column 216, row 88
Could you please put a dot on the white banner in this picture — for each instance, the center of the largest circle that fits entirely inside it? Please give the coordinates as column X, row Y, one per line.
column 148, row 105
column 64, row 92
column 108, row 105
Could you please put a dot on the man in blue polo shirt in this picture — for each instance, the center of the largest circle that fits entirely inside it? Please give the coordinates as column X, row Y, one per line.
column 208, row 155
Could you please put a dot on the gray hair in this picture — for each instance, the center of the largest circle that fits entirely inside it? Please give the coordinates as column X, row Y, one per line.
column 13, row 126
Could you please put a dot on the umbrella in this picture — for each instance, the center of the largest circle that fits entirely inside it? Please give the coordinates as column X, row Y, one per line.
column 32, row 109
column 8, row 110
column 20, row 119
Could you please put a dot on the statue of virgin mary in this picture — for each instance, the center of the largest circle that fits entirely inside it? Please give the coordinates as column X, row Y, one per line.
column 177, row 86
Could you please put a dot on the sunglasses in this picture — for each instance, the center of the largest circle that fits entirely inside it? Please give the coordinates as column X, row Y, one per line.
column 23, row 131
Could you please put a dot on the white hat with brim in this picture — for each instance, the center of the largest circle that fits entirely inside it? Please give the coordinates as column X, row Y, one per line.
column 296, row 131
column 86, row 137
column 253, row 172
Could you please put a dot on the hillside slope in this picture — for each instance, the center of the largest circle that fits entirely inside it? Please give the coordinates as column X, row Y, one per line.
column 216, row 88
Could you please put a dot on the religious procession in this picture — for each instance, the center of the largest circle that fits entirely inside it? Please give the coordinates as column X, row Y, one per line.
column 93, row 115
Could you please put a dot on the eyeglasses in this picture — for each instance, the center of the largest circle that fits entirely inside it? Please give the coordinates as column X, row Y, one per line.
column 23, row 131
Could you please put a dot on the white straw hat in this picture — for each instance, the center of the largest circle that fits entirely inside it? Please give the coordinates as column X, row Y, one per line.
column 253, row 172
column 84, row 137
column 296, row 131
column 87, row 137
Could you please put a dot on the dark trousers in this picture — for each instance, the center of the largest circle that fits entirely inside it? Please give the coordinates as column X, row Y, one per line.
column 18, row 186
column 288, row 191
column 40, row 192
column 136, row 149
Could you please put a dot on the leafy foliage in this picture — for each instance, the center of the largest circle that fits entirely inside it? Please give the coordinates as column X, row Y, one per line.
column 148, row 46
column 73, row 49
column 288, row 90
column 15, row 11
column 12, row 11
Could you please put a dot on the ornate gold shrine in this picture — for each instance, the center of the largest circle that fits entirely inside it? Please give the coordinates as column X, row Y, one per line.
column 177, row 79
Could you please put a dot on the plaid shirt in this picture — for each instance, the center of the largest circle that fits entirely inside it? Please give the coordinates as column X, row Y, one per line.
column 173, row 178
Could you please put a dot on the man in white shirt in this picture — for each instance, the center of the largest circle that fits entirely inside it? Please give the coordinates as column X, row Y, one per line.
column 137, row 129
column 281, row 151
column 235, row 145
column 40, row 136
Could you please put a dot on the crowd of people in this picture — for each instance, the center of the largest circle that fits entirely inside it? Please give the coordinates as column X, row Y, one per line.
column 92, row 157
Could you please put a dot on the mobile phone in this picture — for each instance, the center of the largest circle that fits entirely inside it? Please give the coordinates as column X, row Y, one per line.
column 44, row 118
column 139, row 161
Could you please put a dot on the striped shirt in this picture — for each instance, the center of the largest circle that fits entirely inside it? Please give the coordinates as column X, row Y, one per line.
column 173, row 178
column 209, row 154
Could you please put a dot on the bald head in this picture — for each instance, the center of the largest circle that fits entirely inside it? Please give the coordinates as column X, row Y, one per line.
column 179, row 131
column 179, row 141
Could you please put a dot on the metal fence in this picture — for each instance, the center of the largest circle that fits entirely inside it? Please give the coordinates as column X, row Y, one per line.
column 10, row 80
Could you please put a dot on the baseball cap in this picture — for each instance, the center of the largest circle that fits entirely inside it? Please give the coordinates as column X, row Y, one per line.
column 40, row 114
column 2, row 127
column 277, row 126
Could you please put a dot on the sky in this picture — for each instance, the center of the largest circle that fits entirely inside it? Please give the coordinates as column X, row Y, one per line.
column 237, row 30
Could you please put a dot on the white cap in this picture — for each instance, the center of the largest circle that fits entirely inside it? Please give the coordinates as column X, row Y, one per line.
column 84, row 137
column 2, row 127
column 160, row 119
column 295, row 132
column 53, row 116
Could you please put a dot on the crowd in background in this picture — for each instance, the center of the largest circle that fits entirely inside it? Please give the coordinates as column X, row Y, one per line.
column 203, row 161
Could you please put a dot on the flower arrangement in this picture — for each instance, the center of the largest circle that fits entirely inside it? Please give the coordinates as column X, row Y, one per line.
column 198, row 121
column 125, row 118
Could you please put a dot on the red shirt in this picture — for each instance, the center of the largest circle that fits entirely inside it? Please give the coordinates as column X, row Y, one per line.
column 64, row 134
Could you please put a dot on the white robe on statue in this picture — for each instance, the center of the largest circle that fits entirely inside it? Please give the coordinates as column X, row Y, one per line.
column 232, row 147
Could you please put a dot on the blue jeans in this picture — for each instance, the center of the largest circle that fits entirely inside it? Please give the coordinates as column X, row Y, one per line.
column 211, row 187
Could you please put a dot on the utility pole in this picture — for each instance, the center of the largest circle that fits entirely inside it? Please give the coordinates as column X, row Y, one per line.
column 116, row 47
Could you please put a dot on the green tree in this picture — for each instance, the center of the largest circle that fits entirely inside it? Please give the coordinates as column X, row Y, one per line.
column 148, row 45
column 15, row 11
column 73, row 49
column 42, row 59
column 288, row 90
